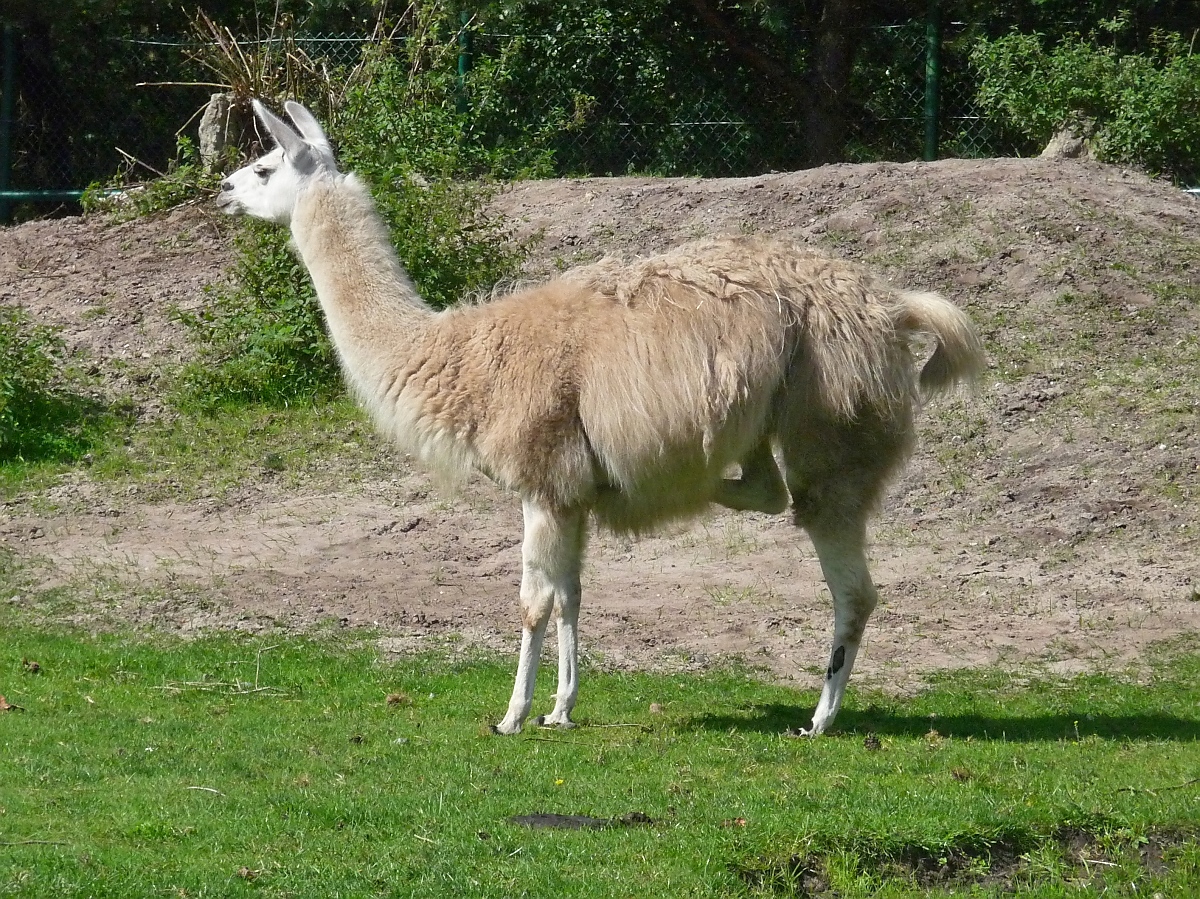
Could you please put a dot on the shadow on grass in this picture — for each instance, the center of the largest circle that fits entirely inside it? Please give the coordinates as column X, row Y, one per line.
column 58, row 427
column 776, row 718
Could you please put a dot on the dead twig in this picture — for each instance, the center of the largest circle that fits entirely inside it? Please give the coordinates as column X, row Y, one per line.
column 1186, row 783
column 181, row 84
column 554, row 740
column 133, row 160
column 235, row 689
column 644, row 727
column 207, row 790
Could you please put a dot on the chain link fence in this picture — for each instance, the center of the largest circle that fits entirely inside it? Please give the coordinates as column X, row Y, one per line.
column 659, row 115
column 61, row 133
column 890, row 98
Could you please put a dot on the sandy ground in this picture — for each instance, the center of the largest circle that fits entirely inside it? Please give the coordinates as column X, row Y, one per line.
column 1051, row 519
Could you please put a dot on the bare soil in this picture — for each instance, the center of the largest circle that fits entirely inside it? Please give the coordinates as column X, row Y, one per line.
column 1048, row 522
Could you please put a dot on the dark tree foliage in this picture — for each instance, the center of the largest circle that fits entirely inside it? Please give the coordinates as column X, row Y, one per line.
column 782, row 69
column 79, row 61
column 777, row 83
column 770, row 84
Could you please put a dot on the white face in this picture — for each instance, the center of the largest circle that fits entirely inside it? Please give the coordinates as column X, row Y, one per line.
column 268, row 187
column 264, row 189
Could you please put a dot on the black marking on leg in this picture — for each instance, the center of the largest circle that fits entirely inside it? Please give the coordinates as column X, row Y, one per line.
column 839, row 659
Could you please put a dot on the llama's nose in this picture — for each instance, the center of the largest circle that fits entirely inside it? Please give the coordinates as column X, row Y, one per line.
column 227, row 185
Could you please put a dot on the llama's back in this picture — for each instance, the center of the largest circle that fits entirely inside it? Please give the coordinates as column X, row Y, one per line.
column 701, row 348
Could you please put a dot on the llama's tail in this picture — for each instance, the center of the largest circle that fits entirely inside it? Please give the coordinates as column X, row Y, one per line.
column 958, row 357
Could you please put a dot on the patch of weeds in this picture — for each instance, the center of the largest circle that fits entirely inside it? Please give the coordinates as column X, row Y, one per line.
column 21, row 597
column 840, row 240
column 1154, row 378
column 729, row 594
column 1084, row 857
column 959, row 435
column 125, row 198
column 211, row 452
column 1017, row 345
column 46, row 411
column 734, row 539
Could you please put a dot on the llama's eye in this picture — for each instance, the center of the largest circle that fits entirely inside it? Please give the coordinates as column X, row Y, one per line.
column 263, row 173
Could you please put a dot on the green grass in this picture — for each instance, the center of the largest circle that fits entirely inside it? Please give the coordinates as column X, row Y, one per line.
column 211, row 453
column 228, row 766
column 48, row 412
column 208, row 454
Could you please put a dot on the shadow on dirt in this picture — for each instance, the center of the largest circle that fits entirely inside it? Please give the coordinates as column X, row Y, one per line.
column 778, row 718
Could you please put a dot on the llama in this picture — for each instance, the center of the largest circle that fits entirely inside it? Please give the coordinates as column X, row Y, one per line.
column 628, row 393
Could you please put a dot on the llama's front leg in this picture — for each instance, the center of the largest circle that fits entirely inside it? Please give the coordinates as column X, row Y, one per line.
column 844, row 562
column 551, row 556
column 760, row 488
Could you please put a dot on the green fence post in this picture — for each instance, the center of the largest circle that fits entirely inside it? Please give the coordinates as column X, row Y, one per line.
column 8, row 92
column 464, row 59
column 933, row 78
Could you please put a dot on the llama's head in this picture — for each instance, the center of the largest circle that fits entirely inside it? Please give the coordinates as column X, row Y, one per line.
column 267, row 188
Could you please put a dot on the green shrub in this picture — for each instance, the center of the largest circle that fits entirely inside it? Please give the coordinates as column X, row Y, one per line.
column 44, row 413
column 409, row 107
column 1142, row 105
column 262, row 338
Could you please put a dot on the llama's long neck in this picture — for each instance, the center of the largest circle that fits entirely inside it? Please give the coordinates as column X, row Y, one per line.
column 373, row 308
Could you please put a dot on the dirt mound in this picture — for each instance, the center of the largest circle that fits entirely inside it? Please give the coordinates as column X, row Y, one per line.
column 112, row 287
column 1053, row 517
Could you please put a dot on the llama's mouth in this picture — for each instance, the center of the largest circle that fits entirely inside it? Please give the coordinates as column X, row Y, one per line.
column 229, row 204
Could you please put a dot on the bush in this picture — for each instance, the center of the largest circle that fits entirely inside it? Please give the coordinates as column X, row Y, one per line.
column 44, row 413
column 262, row 339
column 1143, row 105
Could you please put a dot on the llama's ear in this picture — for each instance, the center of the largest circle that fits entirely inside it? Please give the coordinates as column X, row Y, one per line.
column 293, row 145
column 310, row 129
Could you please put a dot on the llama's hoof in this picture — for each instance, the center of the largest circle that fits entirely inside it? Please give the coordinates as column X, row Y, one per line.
column 505, row 730
column 560, row 723
column 801, row 733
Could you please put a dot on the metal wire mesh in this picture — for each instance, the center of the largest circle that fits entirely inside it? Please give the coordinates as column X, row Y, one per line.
column 662, row 115
column 657, row 117
column 70, row 131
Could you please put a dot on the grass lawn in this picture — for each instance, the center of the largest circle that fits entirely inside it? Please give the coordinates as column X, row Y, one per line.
column 227, row 766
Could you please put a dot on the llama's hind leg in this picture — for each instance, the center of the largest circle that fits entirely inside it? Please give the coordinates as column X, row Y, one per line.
column 844, row 562
column 760, row 488
column 566, row 612
column 551, row 556
column 836, row 473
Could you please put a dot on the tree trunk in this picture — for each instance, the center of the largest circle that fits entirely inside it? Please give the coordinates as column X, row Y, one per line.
column 835, row 28
column 836, row 39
